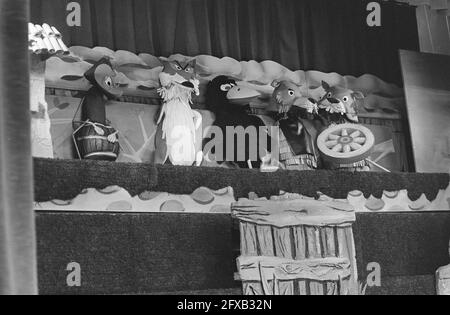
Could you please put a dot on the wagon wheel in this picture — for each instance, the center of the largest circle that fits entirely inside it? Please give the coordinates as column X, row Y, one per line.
column 346, row 143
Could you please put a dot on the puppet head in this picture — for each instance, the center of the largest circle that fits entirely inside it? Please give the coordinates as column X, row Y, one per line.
column 341, row 100
column 288, row 94
column 180, row 74
column 223, row 91
column 102, row 76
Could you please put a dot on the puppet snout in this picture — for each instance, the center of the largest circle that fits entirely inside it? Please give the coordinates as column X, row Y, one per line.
column 188, row 84
column 352, row 117
column 333, row 100
column 242, row 94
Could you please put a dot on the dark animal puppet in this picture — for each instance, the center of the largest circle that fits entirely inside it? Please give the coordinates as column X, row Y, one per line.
column 230, row 104
column 104, row 87
column 95, row 139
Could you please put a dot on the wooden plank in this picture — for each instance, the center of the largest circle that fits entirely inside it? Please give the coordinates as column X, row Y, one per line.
column 314, row 251
column 265, row 240
column 332, row 288
column 347, row 250
column 253, row 268
column 266, row 247
column 249, row 246
column 300, row 254
column 328, row 242
column 283, row 248
column 352, row 258
column 294, row 212
column 329, row 250
column 248, row 239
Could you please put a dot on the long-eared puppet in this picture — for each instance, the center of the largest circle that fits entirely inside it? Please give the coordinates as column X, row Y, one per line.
column 295, row 115
column 339, row 105
column 95, row 138
column 177, row 123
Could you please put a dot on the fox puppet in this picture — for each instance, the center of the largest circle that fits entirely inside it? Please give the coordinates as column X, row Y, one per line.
column 177, row 123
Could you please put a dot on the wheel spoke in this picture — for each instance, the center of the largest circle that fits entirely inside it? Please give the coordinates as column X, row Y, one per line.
column 347, row 149
column 337, row 148
column 333, row 137
column 330, row 144
column 344, row 133
column 355, row 134
column 360, row 140
column 355, row 146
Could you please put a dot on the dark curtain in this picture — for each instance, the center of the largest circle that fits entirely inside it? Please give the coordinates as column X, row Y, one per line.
column 324, row 35
column 17, row 233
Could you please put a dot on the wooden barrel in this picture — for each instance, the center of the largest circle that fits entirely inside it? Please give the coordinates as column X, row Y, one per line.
column 300, row 232
column 96, row 141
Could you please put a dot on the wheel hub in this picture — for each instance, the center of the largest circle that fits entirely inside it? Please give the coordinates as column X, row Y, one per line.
column 345, row 140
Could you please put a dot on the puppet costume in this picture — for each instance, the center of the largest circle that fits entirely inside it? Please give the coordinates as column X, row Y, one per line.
column 230, row 104
column 297, row 134
column 177, row 122
column 95, row 139
column 297, row 152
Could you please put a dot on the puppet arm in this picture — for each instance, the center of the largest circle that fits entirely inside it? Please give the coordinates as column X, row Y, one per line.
column 308, row 104
column 161, row 114
column 197, row 119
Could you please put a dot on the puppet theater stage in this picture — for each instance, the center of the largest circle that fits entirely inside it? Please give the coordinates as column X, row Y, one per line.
column 150, row 253
column 127, row 252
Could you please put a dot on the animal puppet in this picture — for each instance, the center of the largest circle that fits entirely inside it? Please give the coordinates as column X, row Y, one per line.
column 230, row 104
column 95, row 138
column 340, row 105
column 297, row 133
column 288, row 94
column 177, row 122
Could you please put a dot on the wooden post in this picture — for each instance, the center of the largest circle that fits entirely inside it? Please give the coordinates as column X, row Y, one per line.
column 443, row 280
column 43, row 42
column 42, row 145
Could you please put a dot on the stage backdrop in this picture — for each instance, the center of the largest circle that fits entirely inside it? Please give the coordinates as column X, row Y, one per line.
column 324, row 35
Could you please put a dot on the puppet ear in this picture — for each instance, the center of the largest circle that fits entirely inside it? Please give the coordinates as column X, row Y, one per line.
column 276, row 83
column 358, row 95
column 325, row 85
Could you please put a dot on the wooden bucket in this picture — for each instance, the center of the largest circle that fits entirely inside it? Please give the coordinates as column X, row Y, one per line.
column 311, row 240
column 96, row 141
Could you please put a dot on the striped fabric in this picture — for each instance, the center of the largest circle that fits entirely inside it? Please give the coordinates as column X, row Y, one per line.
column 295, row 162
